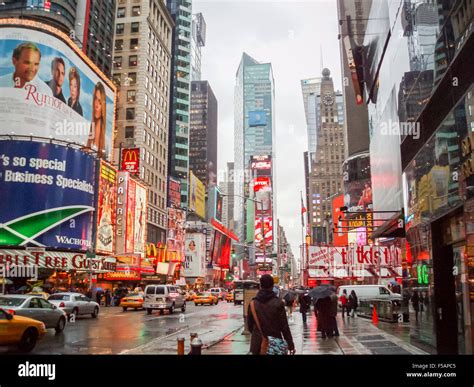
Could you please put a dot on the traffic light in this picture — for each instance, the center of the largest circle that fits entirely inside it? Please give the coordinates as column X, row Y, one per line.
column 232, row 252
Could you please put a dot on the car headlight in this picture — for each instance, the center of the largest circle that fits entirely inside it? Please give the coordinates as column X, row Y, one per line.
column 43, row 327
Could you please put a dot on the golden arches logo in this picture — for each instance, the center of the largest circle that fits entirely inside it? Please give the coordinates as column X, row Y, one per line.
column 130, row 155
column 151, row 250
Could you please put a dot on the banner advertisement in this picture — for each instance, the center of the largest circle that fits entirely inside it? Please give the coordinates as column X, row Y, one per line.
column 215, row 204
column 263, row 197
column 64, row 96
column 357, row 184
column 325, row 256
column 268, row 232
column 57, row 260
column 262, row 163
column 121, row 215
column 174, row 193
column 106, row 208
column 195, row 263
column 140, row 218
column 131, row 160
column 197, row 196
column 130, row 227
column 176, row 234
column 338, row 216
column 47, row 195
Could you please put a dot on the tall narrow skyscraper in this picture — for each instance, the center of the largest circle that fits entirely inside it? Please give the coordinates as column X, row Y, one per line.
column 254, row 150
column 178, row 166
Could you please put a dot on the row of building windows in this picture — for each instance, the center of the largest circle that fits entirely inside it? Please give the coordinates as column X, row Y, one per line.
column 156, row 217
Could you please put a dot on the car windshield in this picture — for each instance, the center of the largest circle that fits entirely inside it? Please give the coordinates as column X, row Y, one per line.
column 59, row 297
column 134, row 295
column 7, row 301
column 204, row 294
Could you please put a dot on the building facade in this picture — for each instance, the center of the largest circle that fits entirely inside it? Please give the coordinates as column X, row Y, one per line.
column 178, row 160
column 422, row 117
column 325, row 172
column 203, row 133
column 142, row 71
column 254, row 138
column 199, row 41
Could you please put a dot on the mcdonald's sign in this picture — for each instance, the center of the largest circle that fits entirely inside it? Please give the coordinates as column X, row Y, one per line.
column 131, row 160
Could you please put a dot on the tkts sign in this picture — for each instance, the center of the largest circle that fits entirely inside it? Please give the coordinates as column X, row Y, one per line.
column 131, row 160
column 354, row 255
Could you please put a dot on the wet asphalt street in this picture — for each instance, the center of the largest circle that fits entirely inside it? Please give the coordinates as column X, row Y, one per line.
column 136, row 332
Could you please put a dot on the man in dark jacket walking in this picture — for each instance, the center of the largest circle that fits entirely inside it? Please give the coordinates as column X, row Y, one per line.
column 271, row 314
column 305, row 305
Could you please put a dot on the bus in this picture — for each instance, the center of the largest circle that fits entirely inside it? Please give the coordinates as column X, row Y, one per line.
column 239, row 286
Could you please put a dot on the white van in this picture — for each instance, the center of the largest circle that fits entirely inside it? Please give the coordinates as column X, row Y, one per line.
column 372, row 292
column 163, row 297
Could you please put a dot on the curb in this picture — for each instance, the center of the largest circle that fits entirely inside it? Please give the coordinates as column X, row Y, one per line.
column 221, row 339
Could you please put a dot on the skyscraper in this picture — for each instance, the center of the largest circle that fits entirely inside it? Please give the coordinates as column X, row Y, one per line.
column 178, row 160
column 199, row 41
column 254, row 152
column 203, row 133
column 89, row 23
column 311, row 89
column 326, row 179
column 142, row 68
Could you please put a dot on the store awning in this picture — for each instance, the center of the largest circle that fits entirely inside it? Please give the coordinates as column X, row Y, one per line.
column 391, row 228
column 223, row 230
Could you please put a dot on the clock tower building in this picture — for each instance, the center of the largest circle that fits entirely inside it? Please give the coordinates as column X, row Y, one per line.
column 326, row 178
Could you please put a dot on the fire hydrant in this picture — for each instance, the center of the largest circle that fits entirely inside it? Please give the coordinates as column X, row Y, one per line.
column 196, row 346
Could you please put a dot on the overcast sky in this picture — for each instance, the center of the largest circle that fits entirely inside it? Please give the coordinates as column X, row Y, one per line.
column 288, row 34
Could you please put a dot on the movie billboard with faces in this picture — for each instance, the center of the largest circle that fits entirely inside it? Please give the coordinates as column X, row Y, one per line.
column 175, row 243
column 49, row 88
column 140, row 218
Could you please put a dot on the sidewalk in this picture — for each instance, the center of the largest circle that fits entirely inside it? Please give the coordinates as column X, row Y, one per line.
column 358, row 336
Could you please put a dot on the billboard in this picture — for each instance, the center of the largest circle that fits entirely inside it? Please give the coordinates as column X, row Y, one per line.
column 130, row 225
column 262, row 163
column 121, row 214
column 174, row 193
column 195, row 263
column 130, row 160
column 263, row 196
column 338, row 217
column 267, row 230
column 357, row 183
column 176, row 233
column 215, row 204
column 197, row 196
column 47, row 195
column 106, row 207
column 61, row 94
column 140, row 218
column 257, row 118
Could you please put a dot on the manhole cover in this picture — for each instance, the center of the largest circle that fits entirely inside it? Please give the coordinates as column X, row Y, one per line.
column 370, row 338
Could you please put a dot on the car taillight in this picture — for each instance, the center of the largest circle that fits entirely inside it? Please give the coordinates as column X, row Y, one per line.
column 11, row 311
column 62, row 305
column 140, row 300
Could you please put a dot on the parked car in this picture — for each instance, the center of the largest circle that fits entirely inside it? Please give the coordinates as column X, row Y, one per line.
column 36, row 308
column 220, row 293
column 164, row 297
column 132, row 300
column 75, row 304
column 206, row 298
column 21, row 331
column 230, row 297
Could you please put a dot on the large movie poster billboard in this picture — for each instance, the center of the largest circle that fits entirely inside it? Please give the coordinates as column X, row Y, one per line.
column 46, row 195
column 49, row 88
column 140, row 218
column 195, row 263
column 176, row 233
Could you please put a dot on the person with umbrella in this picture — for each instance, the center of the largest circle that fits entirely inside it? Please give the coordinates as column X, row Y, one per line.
column 289, row 299
column 322, row 308
column 305, row 305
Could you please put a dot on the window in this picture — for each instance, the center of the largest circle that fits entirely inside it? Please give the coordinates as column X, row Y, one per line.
column 132, row 60
column 119, row 28
column 134, row 44
column 136, row 11
column 132, row 78
column 117, row 62
column 116, row 79
column 131, row 95
column 130, row 113
column 129, row 131
column 119, row 45
column 135, row 28
column 121, row 12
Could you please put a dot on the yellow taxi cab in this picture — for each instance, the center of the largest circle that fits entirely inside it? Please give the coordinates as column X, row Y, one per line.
column 230, row 297
column 205, row 298
column 190, row 296
column 21, row 331
column 133, row 300
column 39, row 294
